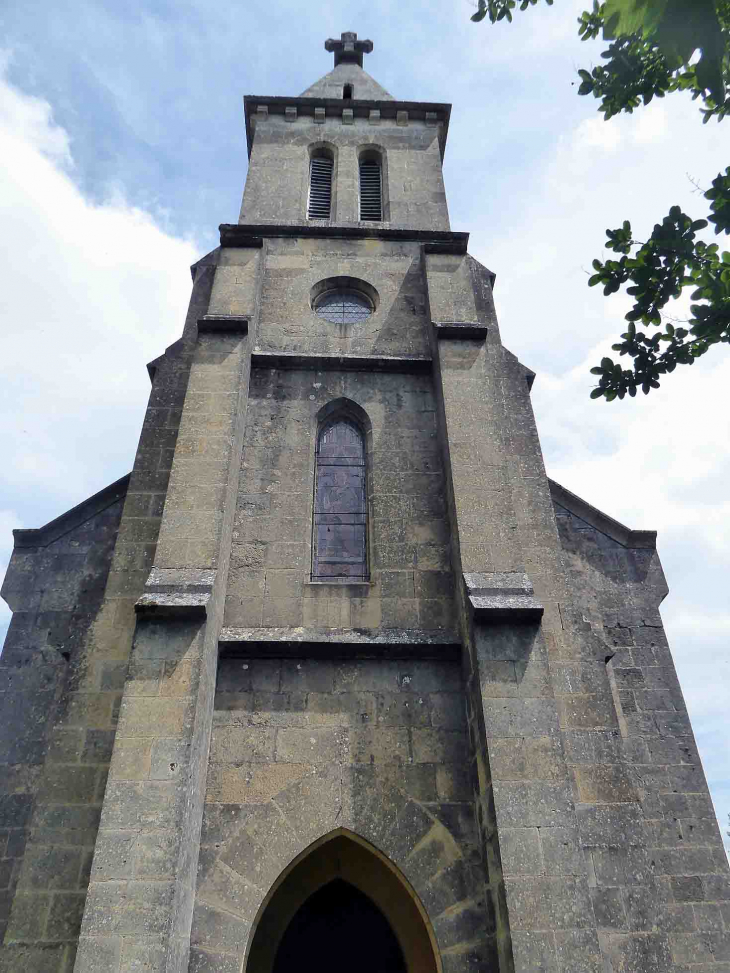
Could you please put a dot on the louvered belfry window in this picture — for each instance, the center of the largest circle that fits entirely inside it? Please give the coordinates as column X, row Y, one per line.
column 320, row 188
column 371, row 190
column 340, row 505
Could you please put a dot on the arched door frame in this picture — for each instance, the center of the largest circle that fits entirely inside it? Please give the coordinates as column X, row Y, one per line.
column 358, row 862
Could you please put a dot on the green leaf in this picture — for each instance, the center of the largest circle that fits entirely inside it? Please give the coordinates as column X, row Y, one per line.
column 632, row 16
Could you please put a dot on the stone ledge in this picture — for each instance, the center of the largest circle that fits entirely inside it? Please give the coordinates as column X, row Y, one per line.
column 198, row 578
column 448, row 247
column 178, row 592
column 353, row 587
column 460, row 329
column 503, row 596
column 177, row 604
column 223, row 323
column 352, row 363
column 339, row 643
column 252, row 234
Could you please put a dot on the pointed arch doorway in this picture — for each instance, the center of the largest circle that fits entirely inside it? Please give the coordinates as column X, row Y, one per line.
column 341, row 905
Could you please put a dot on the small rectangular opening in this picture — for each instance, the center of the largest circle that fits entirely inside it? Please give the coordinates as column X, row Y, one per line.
column 347, row 92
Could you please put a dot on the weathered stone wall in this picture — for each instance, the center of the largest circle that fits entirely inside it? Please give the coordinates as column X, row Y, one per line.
column 411, row 584
column 288, row 324
column 54, row 588
column 304, row 746
column 277, row 184
column 657, row 866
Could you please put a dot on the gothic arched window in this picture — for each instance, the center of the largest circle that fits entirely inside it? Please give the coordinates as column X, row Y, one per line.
column 371, row 186
column 319, row 204
column 339, row 544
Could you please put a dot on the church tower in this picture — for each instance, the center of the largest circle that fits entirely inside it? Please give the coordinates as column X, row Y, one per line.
column 337, row 678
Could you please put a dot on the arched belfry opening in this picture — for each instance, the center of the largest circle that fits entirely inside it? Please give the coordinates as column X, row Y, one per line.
column 342, row 905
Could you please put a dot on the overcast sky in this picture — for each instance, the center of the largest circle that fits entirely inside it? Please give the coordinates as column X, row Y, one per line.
column 123, row 148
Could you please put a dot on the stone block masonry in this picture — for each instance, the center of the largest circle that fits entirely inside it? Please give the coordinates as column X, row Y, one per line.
column 411, row 584
column 302, row 747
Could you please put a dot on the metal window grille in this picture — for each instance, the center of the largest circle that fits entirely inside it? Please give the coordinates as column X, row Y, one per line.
column 371, row 195
column 320, row 188
column 343, row 307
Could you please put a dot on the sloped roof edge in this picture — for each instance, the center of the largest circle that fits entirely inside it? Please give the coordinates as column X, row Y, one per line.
column 623, row 535
column 52, row 531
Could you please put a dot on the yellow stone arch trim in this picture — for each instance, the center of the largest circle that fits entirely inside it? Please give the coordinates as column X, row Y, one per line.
column 343, row 854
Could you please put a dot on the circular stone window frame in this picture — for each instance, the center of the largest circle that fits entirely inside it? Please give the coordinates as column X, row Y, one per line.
column 331, row 285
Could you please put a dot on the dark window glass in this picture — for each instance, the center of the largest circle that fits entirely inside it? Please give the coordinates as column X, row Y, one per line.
column 340, row 504
column 343, row 306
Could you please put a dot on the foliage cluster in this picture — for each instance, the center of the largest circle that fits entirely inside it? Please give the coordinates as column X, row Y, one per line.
column 658, row 47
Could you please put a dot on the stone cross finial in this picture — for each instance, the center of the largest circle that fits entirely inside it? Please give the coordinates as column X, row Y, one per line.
column 348, row 50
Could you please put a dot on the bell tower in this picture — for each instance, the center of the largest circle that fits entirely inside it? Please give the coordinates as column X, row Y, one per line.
column 348, row 119
column 337, row 656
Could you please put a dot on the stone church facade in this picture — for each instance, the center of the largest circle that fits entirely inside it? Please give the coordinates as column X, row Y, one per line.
column 337, row 666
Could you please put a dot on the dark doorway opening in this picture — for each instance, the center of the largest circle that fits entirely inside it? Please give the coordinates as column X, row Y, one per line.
column 341, row 906
column 339, row 928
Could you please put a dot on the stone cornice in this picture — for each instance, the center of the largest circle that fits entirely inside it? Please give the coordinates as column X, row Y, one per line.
column 503, row 596
column 361, row 108
column 638, row 539
column 252, row 234
column 351, row 363
column 55, row 529
column 338, row 643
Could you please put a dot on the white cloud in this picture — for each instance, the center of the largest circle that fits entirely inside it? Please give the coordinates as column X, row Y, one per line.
column 593, row 133
column 88, row 294
column 29, row 121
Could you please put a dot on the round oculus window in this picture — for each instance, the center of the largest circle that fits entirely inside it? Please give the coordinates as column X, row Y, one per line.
column 343, row 306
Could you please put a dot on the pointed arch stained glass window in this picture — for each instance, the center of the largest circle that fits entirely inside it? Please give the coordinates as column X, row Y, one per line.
column 340, row 505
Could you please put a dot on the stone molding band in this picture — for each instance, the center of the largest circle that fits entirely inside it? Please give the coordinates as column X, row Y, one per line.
column 499, row 596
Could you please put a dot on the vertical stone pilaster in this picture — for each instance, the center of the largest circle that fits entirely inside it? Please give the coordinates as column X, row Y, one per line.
column 139, row 907
column 535, row 872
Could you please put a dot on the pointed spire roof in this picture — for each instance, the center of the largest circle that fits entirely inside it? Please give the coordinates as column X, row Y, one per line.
column 348, row 52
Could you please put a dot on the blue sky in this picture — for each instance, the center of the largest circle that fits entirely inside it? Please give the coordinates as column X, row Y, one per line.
column 124, row 148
